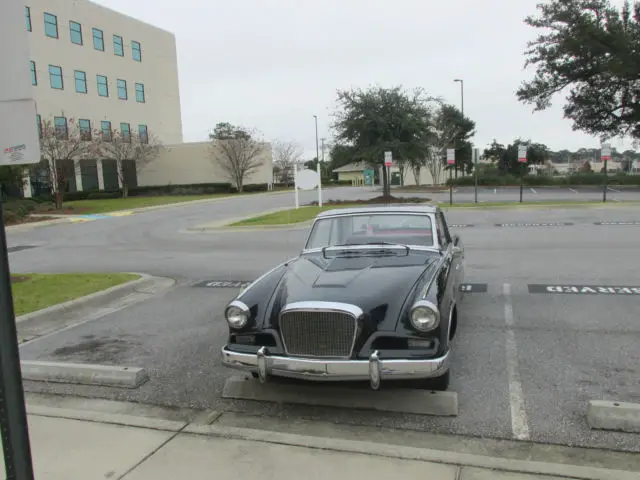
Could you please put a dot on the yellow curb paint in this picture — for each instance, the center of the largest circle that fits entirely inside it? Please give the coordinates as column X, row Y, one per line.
column 120, row 213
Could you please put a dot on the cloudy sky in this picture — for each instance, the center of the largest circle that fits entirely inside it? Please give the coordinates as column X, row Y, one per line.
column 273, row 64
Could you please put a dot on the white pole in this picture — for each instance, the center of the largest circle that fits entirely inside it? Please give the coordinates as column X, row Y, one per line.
column 319, row 186
column 295, row 184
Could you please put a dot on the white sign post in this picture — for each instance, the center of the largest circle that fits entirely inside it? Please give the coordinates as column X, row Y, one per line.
column 451, row 160
column 305, row 180
column 605, row 155
column 522, row 158
column 19, row 145
column 388, row 161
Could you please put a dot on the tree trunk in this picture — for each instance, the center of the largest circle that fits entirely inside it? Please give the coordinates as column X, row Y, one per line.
column 58, row 199
column 386, row 182
column 125, row 190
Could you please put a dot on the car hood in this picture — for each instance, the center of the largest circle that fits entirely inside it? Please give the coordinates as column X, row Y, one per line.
column 379, row 285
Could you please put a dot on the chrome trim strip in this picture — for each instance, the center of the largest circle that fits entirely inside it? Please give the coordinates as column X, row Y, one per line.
column 238, row 304
column 421, row 248
column 375, row 370
column 338, row 370
column 453, row 305
column 318, row 306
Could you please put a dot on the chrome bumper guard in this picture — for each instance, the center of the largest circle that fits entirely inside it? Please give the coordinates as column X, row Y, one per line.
column 374, row 369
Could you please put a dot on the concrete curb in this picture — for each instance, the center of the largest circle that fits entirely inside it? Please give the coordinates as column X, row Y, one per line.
column 340, row 445
column 42, row 323
column 44, row 223
column 98, row 297
column 84, row 374
column 225, row 225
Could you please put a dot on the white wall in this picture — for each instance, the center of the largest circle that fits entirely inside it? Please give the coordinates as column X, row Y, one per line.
column 193, row 163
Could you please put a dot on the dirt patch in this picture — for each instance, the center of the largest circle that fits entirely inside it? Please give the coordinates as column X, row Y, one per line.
column 51, row 209
column 376, row 201
column 19, row 278
column 97, row 350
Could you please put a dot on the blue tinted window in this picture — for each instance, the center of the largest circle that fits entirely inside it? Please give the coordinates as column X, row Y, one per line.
column 140, row 93
column 105, row 127
column 81, row 81
column 39, row 125
column 60, row 124
column 118, row 47
column 98, row 39
column 122, row 89
column 75, row 32
column 136, row 51
column 125, row 131
column 34, row 76
column 55, row 77
column 85, row 129
column 103, row 86
column 143, row 133
column 27, row 14
column 50, row 25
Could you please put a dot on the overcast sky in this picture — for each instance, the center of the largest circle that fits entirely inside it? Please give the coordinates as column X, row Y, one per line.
column 273, row 64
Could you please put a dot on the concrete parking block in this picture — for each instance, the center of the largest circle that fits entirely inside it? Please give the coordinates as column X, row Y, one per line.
column 618, row 416
column 85, row 374
column 484, row 474
column 420, row 402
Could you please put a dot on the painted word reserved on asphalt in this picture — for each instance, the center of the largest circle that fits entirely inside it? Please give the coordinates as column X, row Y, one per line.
column 584, row 289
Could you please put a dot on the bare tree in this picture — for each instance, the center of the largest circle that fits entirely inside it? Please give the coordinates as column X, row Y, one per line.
column 126, row 149
column 63, row 142
column 438, row 139
column 286, row 155
column 237, row 151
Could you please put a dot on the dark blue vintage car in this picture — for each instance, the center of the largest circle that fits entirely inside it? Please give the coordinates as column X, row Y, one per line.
column 373, row 296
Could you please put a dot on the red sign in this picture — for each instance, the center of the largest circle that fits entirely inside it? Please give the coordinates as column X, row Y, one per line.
column 388, row 159
column 522, row 154
column 451, row 156
column 388, row 164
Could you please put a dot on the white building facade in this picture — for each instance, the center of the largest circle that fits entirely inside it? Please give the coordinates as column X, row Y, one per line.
column 105, row 70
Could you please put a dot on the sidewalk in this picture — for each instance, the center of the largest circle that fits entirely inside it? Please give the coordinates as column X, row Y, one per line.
column 84, row 444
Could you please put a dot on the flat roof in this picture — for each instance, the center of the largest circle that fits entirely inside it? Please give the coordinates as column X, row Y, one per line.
column 398, row 207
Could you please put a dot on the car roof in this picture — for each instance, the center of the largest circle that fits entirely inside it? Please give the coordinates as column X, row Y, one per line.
column 395, row 208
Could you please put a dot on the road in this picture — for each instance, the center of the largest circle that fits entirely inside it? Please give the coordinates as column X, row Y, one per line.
column 525, row 363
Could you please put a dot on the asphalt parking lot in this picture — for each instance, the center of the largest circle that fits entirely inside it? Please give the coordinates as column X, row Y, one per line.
column 553, row 324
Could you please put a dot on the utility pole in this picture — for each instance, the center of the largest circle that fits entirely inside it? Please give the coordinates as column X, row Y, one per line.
column 459, row 80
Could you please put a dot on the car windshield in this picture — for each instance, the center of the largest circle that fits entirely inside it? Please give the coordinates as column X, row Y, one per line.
column 361, row 229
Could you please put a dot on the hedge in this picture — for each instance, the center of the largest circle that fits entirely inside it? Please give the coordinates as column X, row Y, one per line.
column 16, row 210
column 541, row 180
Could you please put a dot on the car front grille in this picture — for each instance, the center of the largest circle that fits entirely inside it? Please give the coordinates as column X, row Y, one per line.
column 318, row 333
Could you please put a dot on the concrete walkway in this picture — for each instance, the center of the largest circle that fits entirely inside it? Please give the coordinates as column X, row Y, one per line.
column 70, row 444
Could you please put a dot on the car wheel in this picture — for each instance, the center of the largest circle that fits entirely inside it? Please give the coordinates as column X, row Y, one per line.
column 440, row 383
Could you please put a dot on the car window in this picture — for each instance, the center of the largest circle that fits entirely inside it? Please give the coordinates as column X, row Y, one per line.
column 409, row 229
column 445, row 228
column 443, row 239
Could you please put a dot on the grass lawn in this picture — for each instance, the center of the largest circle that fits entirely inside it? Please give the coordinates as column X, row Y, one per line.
column 114, row 204
column 32, row 292
column 287, row 217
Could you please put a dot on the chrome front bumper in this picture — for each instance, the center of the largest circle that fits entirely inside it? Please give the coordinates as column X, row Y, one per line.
column 374, row 370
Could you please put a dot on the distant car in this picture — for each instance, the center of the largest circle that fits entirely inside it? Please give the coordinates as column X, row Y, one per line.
column 373, row 296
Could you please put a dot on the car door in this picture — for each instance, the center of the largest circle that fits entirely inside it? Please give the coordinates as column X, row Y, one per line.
column 452, row 259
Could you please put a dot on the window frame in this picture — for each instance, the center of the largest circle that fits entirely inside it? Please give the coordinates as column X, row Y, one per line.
column 141, row 92
column 39, row 124
column 51, row 75
column 106, row 85
column 127, row 137
column 144, row 138
column 85, row 132
column 83, row 80
column 116, row 44
column 28, row 23
column 66, row 126
column 55, row 24
column 34, row 73
column 119, row 87
column 72, row 23
column 103, row 124
column 136, row 47
column 99, row 38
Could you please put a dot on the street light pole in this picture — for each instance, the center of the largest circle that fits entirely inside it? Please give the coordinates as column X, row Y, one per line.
column 461, row 81
column 318, row 164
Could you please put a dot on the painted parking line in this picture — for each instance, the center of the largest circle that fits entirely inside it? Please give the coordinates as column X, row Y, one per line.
column 550, row 224
column 616, row 223
column 613, row 189
column 223, row 284
column 519, row 421
column 533, row 190
column 584, row 289
column 460, row 225
column 572, row 190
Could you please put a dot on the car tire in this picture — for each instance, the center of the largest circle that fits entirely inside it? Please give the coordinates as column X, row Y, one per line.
column 440, row 383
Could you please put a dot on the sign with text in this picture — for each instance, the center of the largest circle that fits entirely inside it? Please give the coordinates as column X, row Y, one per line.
column 605, row 154
column 388, row 159
column 451, row 156
column 522, row 154
column 585, row 289
column 19, row 141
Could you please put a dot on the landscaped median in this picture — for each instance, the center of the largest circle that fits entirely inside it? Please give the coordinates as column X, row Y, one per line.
column 35, row 291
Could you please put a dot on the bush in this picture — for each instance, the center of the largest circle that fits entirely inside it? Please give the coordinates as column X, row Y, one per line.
column 15, row 210
column 252, row 187
column 588, row 178
column 192, row 189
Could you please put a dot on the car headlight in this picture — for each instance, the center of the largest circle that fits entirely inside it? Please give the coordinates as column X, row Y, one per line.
column 237, row 314
column 424, row 316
